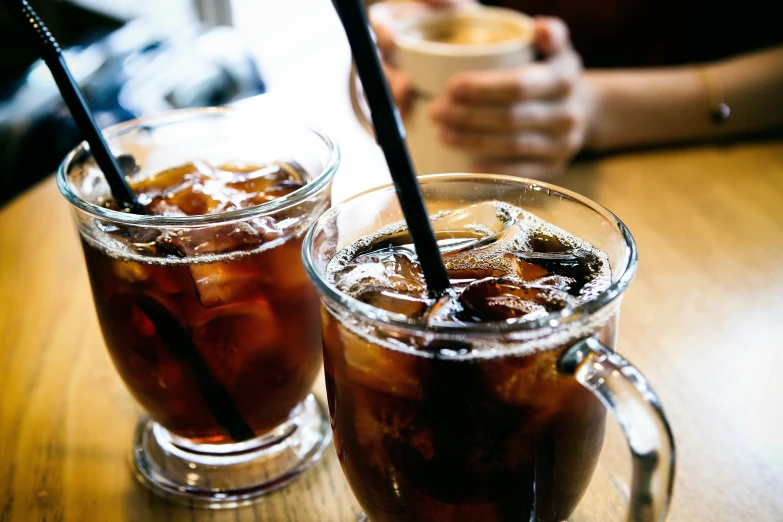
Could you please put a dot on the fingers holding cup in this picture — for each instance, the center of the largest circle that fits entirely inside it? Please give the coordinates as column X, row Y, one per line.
column 530, row 120
column 534, row 115
column 523, row 144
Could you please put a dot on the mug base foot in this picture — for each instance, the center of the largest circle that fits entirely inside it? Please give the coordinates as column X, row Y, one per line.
column 229, row 475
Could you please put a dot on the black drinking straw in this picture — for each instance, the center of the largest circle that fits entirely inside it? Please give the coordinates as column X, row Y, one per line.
column 74, row 99
column 215, row 395
column 391, row 137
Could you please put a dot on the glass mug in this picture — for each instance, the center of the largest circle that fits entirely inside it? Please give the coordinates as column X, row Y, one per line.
column 219, row 343
column 513, row 434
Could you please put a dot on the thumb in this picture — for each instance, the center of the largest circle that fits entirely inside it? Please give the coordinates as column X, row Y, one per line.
column 551, row 36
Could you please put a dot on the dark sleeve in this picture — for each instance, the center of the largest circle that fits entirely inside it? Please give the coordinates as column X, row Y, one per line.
column 633, row 33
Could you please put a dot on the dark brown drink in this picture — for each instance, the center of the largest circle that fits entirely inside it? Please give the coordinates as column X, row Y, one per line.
column 203, row 300
column 236, row 293
column 451, row 430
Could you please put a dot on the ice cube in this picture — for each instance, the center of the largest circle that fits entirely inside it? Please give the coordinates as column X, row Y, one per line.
column 160, row 207
column 221, row 283
column 278, row 169
column 276, row 273
column 523, row 269
column 474, row 226
column 409, row 305
column 396, row 424
column 276, row 191
column 209, row 240
column 156, row 279
column 499, row 299
column 169, row 181
column 388, row 277
column 391, row 269
column 256, row 180
column 236, row 337
column 554, row 281
column 283, row 271
column 197, row 188
column 267, row 227
column 356, row 277
column 579, row 265
column 196, row 198
column 140, row 239
column 190, row 189
column 395, row 262
column 445, row 309
column 260, row 185
column 130, row 272
column 139, row 235
column 240, row 170
column 526, row 381
column 372, row 366
column 405, row 265
column 286, row 186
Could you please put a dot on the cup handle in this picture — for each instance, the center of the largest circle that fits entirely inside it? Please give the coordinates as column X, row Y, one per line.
column 635, row 406
column 356, row 101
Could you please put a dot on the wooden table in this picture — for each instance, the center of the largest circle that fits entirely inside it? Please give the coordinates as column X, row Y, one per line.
column 704, row 321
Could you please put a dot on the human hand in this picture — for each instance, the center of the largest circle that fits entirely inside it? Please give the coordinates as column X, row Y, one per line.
column 528, row 121
column 382, row 19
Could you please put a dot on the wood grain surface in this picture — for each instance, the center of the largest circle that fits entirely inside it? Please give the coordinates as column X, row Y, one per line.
column 703, row 320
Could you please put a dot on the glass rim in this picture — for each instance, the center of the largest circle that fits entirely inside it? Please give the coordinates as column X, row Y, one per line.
column 318, row 182
column 400, row 321
column 495, row 13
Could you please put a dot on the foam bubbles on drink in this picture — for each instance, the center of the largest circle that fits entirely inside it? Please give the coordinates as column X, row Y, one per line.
column 200, row 188
column 505, row 264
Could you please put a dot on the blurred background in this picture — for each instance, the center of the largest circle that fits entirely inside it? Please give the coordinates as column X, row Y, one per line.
column 131, row 57
column 139, row 57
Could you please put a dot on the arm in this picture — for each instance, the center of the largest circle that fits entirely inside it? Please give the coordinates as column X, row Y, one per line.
column 532, row 120
column 648, row 107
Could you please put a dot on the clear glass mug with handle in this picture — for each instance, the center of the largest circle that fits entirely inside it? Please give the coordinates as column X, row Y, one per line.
column 487, row 420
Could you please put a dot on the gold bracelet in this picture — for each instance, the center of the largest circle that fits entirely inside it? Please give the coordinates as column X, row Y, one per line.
column 717, row 108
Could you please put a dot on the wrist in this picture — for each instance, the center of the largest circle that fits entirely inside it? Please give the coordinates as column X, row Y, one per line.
column 597, row 113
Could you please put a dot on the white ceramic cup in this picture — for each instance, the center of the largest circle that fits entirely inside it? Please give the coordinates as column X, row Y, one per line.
column 430, row 64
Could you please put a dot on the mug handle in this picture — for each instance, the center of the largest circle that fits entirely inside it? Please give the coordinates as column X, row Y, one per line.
column 635, row 406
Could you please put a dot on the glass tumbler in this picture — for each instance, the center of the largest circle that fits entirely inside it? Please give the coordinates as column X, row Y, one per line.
column 218, row 342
